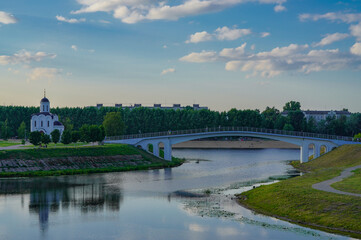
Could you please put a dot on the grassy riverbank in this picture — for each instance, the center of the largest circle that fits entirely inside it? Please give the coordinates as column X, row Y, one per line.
column 351, row 184
column 296, row 201
column 78, row 160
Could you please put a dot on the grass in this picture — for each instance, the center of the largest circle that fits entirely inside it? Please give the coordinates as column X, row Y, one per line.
column 351, row 184
column 61, row 145
column 296, row 201
column 8, row 143
column 41, row 153
column 93, row 151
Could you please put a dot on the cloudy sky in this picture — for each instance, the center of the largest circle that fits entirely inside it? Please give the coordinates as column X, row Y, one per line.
column 220, row 53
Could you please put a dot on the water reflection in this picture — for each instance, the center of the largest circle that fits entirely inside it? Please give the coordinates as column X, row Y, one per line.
column 49, row 195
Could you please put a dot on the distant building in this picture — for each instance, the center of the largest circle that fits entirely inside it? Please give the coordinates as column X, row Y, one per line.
column 176, row 106
column 321, row 115
column 44, row 121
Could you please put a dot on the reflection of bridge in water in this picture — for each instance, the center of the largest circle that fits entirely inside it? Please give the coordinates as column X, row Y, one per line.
column 50, row 195
column 302, row 139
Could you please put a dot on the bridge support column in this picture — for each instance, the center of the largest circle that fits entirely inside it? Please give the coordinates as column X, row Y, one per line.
column 168, row 151
column 317, row 152
column 304, row 152
column 156, row 149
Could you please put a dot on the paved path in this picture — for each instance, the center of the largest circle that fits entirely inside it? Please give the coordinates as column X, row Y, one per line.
column 326, row 185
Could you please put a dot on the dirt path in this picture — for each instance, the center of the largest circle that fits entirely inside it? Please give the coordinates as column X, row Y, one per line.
column 20, row 146
column 326, row 185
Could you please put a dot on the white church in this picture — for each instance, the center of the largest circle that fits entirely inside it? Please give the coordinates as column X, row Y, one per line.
column 44, row 121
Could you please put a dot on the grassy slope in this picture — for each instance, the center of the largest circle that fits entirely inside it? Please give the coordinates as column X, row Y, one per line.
column 8, row 143
column 351, row 184
column 107, row 150
column 295, row 200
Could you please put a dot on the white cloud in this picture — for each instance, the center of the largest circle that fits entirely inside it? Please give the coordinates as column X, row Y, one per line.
column 233, row 53
column 165, row 46
column 169, row 70
column 24, row 56
column 332, row 16
column 356, row 31
column 265, row 34
column 279, row 8
column 331, row 38
column 271, row 63
column 74, row 47
column 356, row 49
column 70, row 20
column 204, row 56
column 43, row 73
column 199, row 37
column 133, row 11
column 7, row 18
column 221, row 33
column 283, row 51
column 225, row 33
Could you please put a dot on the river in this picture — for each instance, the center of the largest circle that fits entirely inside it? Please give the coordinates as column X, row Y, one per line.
column 193, row 201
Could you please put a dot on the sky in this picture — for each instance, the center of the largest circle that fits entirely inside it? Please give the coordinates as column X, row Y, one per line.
column 244, row 54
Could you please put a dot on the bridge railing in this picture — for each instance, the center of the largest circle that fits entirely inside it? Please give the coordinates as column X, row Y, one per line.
column 230, row 129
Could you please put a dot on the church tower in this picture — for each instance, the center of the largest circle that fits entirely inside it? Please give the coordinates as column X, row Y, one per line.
column 45, row 104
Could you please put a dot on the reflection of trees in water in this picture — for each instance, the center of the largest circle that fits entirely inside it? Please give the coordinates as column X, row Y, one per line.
column 49, row 195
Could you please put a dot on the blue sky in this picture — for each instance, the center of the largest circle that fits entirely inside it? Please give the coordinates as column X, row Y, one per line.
column 220, row 53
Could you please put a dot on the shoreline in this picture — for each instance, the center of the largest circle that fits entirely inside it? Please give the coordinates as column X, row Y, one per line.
column 296, row 201
column 84, row 160
column 251, row 144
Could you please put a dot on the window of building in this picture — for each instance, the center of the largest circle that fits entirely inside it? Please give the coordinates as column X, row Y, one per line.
column 48, row 124
column 41, row 123
column 34, row 123
column 43, row 108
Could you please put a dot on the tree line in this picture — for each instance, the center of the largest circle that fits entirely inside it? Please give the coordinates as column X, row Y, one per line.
column 14, row 121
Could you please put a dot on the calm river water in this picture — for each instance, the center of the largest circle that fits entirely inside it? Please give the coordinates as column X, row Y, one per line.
column 158, row 204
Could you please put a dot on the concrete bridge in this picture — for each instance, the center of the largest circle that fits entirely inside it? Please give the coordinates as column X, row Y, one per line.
column 302, row 139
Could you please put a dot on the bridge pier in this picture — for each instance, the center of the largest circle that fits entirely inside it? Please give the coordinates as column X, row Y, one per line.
column 167, row 150
column 304, row 152
column 156, row 149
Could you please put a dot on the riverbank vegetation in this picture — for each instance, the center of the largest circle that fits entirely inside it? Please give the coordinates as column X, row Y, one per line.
column 143, row 120
column 296, row 201
column 79, row 160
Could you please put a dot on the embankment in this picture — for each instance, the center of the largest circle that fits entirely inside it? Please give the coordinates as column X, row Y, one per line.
column 296, row 201
column 78, row 160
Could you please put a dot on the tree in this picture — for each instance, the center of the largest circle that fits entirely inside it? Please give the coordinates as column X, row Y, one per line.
column 5, row 130
column 45, row 139
column 21, row 130
column 101, row 134
column 288, row 127
column 55, row 136
column 66, row 137
column 85, row 133
column 35, row 138
column 357, row 137
column 113, row 124
column 94, row 133
column 297, row 119
column 269, row 117
column 292, row 106
column 75, row 136
column 67, row 124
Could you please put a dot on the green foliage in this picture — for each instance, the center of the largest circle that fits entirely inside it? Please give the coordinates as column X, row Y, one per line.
column 113, row 124
column 45, row 139
column 21, row 130
column 35, row 138
column 85, row 133
column 357, row 137
column 75, row 136
column 292, row 106
column 155, row 120
column 5, row 130
column 55, row 136
column 288, row 127
column 95, row 133
column 67, row 124
column 66, row 137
